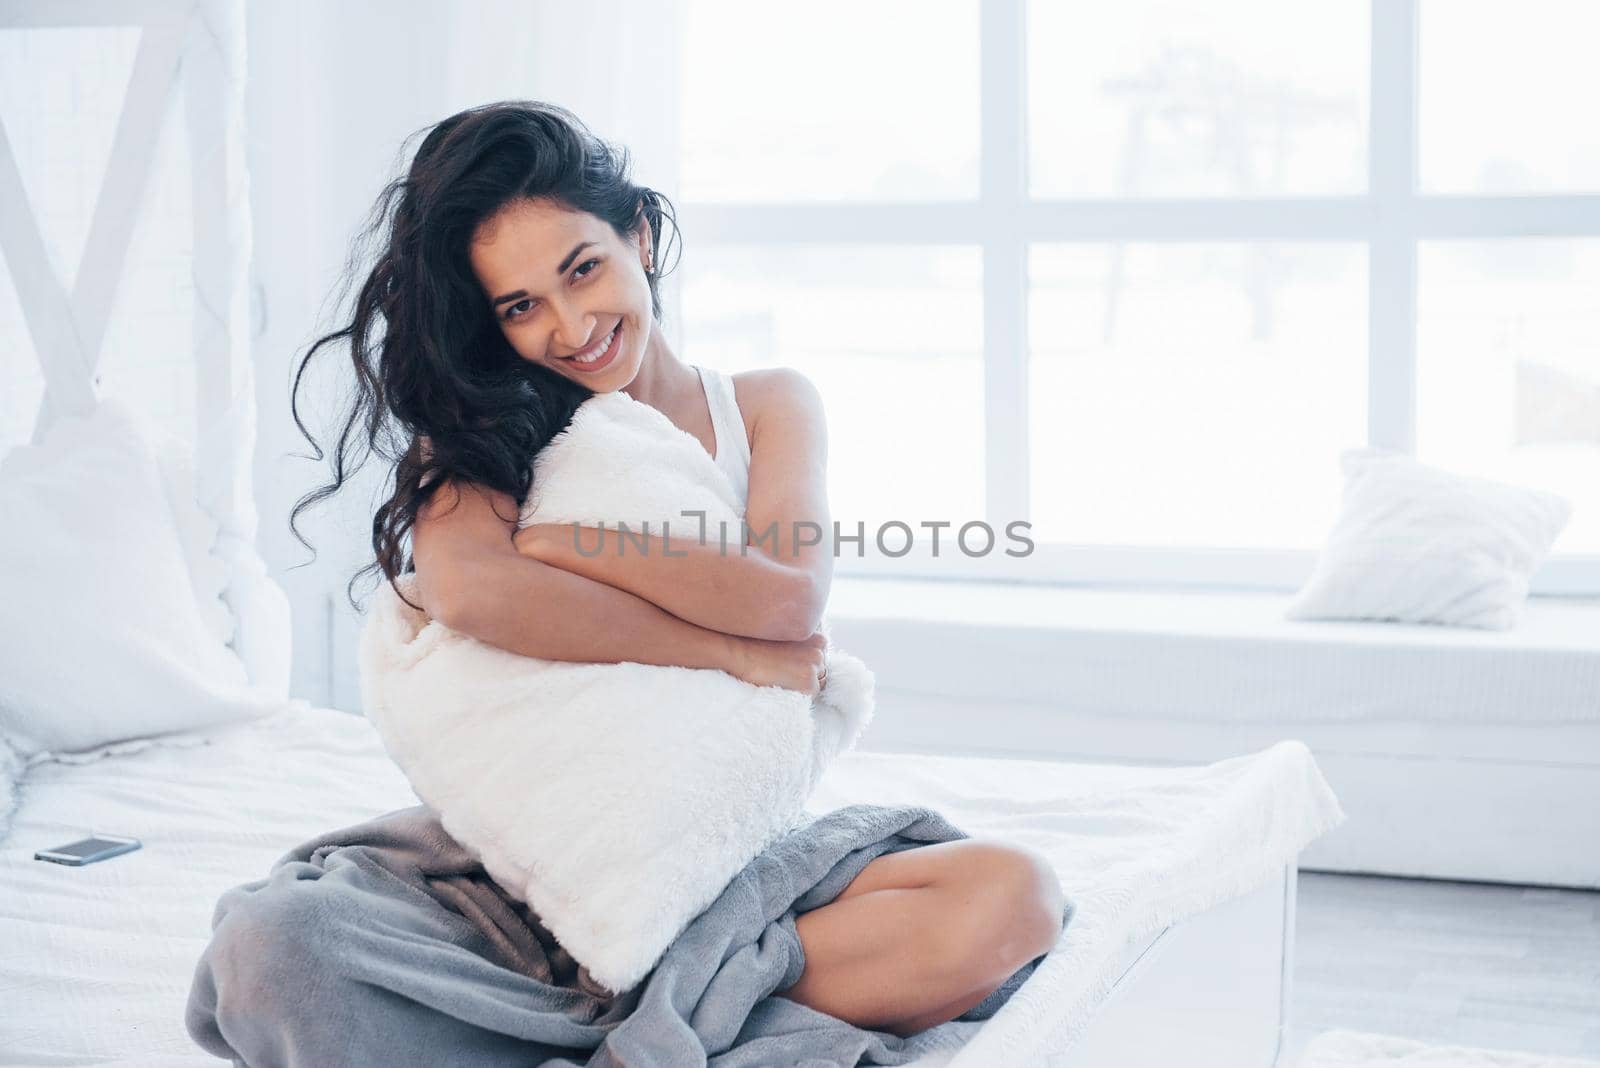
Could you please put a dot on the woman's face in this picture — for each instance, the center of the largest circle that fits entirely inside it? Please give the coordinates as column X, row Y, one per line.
column 561, row 285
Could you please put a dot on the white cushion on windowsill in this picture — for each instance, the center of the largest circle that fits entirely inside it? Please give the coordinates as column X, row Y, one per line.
column 1417, row 544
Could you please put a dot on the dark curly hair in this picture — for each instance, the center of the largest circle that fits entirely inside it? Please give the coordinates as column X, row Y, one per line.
column 441, row 368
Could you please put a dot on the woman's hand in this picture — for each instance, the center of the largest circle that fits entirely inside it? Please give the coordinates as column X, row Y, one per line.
column 791, row 665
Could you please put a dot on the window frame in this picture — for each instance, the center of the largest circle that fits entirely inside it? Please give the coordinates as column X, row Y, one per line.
column 1390, row 219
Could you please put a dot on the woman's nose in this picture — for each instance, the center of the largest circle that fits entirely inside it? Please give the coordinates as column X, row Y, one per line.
column 572, row 332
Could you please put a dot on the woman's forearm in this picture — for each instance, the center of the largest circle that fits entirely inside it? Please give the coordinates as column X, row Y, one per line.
column 524, row 606
column 737, row 589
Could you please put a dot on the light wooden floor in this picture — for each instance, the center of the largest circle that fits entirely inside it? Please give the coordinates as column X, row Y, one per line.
column 1449, row 963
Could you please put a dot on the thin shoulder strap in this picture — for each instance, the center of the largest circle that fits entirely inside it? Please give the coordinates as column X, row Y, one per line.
column 725, row 415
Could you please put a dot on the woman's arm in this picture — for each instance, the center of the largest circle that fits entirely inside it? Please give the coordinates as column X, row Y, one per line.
column 471, row 578
column 735, row 588
column 539, row 610
column 524, row 606
column 774, row 587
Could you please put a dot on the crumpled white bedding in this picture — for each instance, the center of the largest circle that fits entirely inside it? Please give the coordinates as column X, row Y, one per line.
column 98, row 960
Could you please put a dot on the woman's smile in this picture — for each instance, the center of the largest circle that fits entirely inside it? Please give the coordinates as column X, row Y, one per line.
column 598, row 355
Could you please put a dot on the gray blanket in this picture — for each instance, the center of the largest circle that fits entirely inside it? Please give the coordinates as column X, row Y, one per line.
column 387, row 944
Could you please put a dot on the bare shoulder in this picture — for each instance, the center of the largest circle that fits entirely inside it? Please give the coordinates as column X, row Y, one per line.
column 782, row 392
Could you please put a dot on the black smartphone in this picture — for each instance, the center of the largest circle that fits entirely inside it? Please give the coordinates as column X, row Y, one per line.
column 88, row 850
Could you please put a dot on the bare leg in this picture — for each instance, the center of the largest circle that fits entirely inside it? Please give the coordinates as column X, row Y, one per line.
column 923, row 935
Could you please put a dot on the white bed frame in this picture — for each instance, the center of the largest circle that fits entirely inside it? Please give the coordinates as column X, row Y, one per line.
column 1211, row 992
column 194, row 48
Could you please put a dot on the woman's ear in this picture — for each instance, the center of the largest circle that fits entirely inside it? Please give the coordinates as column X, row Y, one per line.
column 645, row 252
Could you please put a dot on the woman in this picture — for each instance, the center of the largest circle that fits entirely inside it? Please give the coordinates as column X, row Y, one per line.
column 519, row 277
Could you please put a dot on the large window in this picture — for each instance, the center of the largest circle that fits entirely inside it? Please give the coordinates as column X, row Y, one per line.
column 1138, row 273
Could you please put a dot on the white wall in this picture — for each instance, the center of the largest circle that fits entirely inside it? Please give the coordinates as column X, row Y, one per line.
column 334, row 89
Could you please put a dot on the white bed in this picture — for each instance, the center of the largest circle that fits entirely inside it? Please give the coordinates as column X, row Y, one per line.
column 97, row 960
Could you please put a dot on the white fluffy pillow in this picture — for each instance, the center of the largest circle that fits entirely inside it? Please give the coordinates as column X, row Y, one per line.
column 197, row 532
column 103, row 634
column 617, row 800
column 1416, row 544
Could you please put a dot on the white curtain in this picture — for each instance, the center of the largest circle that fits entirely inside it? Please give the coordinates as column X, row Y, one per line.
column 334, row 89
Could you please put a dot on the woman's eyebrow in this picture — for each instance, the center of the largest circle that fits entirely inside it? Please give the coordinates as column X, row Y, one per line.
column 572, row 256
column 519, row 294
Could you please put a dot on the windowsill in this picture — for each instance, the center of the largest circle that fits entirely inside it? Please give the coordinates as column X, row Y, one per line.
column 1544, row 623
column 983, row 650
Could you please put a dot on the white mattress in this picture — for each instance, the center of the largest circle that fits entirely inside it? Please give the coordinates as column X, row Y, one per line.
column 1215, row 656
column 95, row 962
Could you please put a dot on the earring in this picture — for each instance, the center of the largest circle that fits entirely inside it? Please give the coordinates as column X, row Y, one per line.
column 648, row 269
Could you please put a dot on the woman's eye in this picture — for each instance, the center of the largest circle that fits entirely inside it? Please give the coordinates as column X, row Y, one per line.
column 512, row 312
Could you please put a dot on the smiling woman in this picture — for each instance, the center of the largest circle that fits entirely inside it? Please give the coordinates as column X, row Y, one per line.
column 593, row 324
column 518, row 280
column 433, row 348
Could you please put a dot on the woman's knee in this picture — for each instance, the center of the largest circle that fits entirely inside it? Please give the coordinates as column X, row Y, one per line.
column 1015, row 904
column 272, row 955
column 270, row 943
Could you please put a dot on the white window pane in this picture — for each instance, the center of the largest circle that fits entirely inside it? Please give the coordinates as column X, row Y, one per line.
column 1160, row 98
column 61, row 93
column 1506, row 96
column 1509, row 368
column 891, row 337
column 828, row 102
column 1194, row 395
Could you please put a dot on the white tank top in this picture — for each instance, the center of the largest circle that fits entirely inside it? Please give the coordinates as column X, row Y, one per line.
column 733, row 446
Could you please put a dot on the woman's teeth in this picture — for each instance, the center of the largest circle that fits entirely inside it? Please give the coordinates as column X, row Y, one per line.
column 601, row 351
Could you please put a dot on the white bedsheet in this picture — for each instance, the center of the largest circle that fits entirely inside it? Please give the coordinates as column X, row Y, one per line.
column 95, row 962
